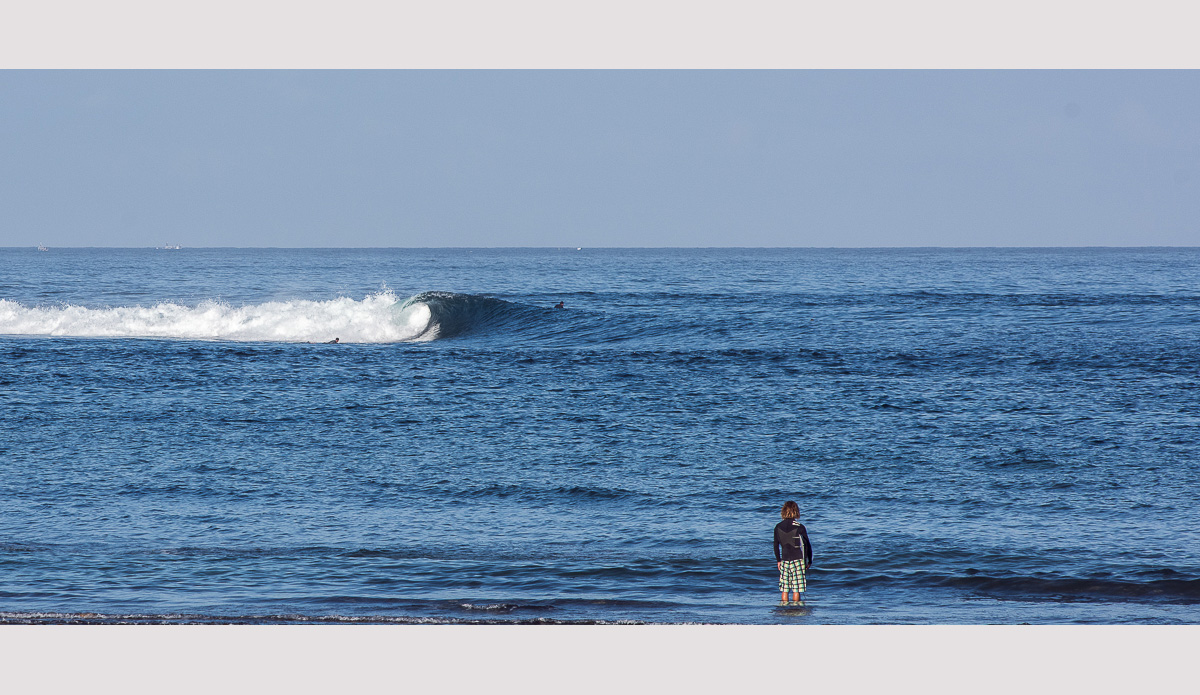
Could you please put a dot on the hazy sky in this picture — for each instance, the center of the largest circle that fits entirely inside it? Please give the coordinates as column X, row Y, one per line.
column 622, row 158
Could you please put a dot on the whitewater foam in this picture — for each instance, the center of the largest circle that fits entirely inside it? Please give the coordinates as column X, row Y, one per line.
column 377, row 318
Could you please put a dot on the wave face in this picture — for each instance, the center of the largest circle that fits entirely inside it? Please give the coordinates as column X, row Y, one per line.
column 377, row 318
column 449, row 314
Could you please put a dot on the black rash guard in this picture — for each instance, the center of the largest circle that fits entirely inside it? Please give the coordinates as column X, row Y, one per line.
column 792, row 537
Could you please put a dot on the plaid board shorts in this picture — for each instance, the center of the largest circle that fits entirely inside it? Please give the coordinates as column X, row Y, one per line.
column 791, row 576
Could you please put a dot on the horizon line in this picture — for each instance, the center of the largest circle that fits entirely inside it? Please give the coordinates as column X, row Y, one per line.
column 606, row 248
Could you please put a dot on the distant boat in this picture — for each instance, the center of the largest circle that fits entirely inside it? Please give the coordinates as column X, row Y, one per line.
column 169, row 247
column 42, row 247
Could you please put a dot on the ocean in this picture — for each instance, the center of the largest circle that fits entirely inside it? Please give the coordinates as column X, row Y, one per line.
column 973, row 436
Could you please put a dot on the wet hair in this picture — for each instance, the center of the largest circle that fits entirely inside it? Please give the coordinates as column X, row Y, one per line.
column 790, row 510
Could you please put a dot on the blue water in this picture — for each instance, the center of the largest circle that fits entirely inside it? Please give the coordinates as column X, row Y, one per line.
column 973, row 436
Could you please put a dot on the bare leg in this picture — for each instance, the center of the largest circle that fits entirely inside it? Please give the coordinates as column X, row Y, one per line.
column 796, row 597
column 783, row 597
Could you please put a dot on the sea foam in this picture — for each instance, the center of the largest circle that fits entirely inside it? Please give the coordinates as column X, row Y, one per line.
column 377, row 318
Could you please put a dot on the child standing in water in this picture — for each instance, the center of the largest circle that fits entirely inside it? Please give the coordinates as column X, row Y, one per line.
column 796, row 557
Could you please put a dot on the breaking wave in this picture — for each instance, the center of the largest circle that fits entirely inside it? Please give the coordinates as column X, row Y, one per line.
column 378, row 318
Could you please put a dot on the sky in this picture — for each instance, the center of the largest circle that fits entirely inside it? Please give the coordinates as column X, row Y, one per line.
column 643, row 158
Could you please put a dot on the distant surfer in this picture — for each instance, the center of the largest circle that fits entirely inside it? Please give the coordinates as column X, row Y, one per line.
column 559, row 306
column 332, row 342
column 796, row 557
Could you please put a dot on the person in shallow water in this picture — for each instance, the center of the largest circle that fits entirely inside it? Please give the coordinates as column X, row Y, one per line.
column 793, row 553
column 559, row 306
